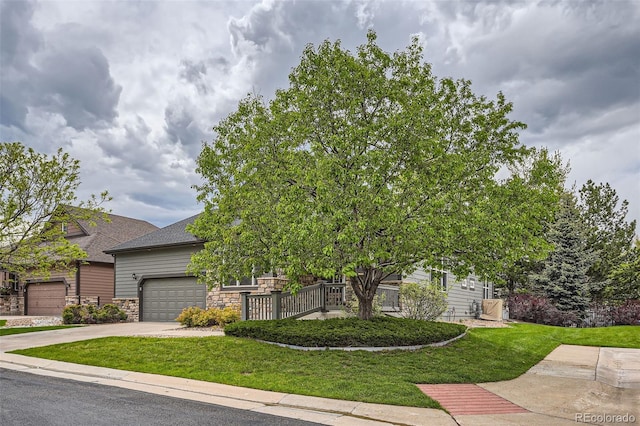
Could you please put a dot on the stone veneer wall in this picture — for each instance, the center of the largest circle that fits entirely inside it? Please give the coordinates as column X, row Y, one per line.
column 131, row 306
column 221, row 298
column 82, row 300
column 11, row 304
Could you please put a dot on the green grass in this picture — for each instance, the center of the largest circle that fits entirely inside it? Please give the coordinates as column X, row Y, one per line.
column 386, row 377
column 21, row 330
column 3, row 323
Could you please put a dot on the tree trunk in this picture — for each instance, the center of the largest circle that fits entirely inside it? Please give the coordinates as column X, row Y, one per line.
column 365, row 286
column 365, row 308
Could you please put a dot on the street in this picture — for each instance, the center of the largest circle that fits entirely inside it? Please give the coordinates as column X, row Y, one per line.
column 29, row 399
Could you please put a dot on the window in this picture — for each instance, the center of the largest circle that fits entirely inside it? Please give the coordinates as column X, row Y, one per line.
column 243, row 281
column 64, row 227
column 485, row 290
column 472, row 283
column 463, row 283
column 440, row 277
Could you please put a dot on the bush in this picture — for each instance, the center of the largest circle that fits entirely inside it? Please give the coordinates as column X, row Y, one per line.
column 424, row 301
column 228, row 315
column 347, row 332
column 614, row 313
column 198, row 317
column 90, row 314
column 627, row 314
column 188, row 315
column 539, row 310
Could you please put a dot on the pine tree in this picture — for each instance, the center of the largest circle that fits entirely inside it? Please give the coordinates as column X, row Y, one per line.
column 563, row 279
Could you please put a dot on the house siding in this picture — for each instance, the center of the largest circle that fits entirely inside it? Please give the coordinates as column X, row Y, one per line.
column 150, row 263
column 459, row 298
column 96, row 280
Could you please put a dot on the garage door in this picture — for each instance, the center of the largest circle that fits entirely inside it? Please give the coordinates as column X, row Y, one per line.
column 46, row 298
column 164, row 299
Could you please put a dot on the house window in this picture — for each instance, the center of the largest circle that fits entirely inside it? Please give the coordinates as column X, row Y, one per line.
column 463, row 284
column 440, row 277
column 485, row 290
column 472, row 283
column 244, row 281
column 64, row 227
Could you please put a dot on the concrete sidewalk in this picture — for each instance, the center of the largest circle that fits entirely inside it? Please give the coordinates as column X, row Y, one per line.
column 571, row 383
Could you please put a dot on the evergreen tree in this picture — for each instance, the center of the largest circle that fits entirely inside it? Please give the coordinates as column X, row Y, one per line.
column 563, row 278
column 609, row 236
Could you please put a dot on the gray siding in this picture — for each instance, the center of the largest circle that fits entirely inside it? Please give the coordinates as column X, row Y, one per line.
column 150, row 263
column 459, row 298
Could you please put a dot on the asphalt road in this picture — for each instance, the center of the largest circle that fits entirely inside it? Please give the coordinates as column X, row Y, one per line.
column 28, row 399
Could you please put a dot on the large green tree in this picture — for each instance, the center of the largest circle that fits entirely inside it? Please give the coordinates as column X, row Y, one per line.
column 563, row 278
column 609, row 235
column 36, row 192
column 625, row 276
column 367, row 165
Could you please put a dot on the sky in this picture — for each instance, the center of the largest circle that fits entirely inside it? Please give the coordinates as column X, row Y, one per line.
column 133, row 88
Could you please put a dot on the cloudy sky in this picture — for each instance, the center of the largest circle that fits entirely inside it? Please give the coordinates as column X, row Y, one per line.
column 131, row 89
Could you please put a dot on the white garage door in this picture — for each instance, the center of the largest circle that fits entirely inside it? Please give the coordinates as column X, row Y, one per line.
column 164, row 298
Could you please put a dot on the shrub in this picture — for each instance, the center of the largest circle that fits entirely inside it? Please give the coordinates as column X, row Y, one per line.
column 110, row 313
column 627, row 314
column 72, row 314
column 188, row 315
column 540, row 310
column 347, row 332
column 614, row 313
column 425, row 301
column 90, row 314
column 197, row 317
column 228, row 315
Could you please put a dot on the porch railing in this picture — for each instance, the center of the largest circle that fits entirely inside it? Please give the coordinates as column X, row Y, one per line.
column 321, row 297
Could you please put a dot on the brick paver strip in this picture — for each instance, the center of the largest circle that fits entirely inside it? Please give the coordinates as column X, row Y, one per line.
column 462, row 399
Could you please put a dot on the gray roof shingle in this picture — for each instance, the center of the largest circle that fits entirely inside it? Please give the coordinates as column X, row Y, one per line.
column 172, row 235
column 101, row 235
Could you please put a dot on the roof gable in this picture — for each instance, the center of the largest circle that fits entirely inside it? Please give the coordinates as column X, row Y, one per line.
column 171, row 235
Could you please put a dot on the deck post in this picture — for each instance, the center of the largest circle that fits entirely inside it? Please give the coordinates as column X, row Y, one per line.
column 323, row 297
column 276, row 307
column 244, row 305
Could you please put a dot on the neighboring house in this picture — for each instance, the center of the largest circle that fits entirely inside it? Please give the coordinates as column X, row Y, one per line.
column 151, row 283
column 150, row 279
column 89, row 280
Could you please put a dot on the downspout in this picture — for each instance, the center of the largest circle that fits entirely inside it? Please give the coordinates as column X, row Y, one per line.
column 114, row 274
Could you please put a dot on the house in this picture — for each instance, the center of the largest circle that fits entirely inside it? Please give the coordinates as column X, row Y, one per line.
column 88, row 280
column 151, row 283
column 464, row 294
column 150, row 279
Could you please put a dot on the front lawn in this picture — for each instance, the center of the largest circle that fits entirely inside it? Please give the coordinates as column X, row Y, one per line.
column 381, row 377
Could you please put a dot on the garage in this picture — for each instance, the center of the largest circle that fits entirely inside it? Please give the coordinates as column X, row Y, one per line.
column 46, row 298
column 164, row 298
